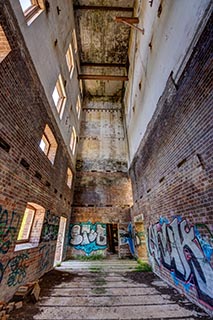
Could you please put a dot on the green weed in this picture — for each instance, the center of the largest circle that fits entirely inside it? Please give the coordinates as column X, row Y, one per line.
column 142, row 266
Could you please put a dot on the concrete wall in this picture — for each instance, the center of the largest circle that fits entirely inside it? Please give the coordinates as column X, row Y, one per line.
column 103, row 189
column 171, row 27
column 172, row 179
column 26, row 174
column 49, row 58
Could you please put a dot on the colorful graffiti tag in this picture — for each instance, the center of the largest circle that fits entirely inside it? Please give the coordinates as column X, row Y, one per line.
column 50, row 227
column 88, row 237
column 127, row 237
column 179, row 247
column 44, row 261
column 8, row 229
column 18, row 268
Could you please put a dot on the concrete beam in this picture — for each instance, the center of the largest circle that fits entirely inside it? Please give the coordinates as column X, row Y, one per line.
column 103, row 8
column 102, row 77
column 103, row 65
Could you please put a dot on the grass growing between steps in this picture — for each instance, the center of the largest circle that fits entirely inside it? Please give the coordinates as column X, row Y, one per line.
column 95, row 269
column 142, row 266
column 93, row 257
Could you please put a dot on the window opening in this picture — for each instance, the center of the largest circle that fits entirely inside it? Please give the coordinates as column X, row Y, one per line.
column 30, row 7
column 26, row 225
column 69, row 177
column 44, row 144
column 70, row 61
column 73, row 140
column 48, row 144
column 60, row 241
column 74, row 40
column 81, row 86
column 78, row 106
column 4, row 45
column 31, row 227
column 59, row 96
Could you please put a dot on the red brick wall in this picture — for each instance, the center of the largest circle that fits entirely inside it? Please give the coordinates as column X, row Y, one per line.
column 24, row 112
column 172, row 176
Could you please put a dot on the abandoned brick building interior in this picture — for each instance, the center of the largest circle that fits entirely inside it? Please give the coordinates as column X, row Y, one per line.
column 106, row 138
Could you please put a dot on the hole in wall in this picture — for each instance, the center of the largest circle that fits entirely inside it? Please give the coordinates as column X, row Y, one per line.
column 38, row 175
column 159, row 10
column 161, row 179
column 47, row 6
column 55, row 190
column 58, row 10
column 4, row 145
column 25, row 164
column 181, row 163
column 47, row 184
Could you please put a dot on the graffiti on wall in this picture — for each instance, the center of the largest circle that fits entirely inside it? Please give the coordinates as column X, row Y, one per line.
column 44, row 261
column 17, row 267
column 50, row 227
column 180, row 248
column 88, row 237
column 127, row 237
column 8, row 229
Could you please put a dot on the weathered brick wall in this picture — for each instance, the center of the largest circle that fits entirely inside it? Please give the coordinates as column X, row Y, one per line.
column 24, row 112
column 102, row 190
column 172, row 178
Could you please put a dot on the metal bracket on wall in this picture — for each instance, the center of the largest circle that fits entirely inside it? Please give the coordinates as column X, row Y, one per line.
column 130, row 22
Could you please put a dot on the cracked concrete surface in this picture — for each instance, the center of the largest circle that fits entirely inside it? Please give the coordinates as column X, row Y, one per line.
column 108, row 289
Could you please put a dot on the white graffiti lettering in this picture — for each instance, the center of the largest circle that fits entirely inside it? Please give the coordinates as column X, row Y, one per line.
column 84, row 234
column 176, row 246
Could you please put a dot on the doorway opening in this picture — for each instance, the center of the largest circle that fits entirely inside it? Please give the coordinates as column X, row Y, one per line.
column 60, row 241
column 112, row 238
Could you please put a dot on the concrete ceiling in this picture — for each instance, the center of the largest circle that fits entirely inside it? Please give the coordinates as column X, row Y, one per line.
column 103, row 44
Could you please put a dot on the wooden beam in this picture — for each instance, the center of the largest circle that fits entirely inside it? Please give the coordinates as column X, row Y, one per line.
column 103, row 8
column 129, row 22
column 127, row 19
column 102, row 77
column 103, row 65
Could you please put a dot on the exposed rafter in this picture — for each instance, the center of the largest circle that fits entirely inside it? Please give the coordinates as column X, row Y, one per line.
column 103, row 8
column 102, row 77
column 103, row 65
column 129, row 22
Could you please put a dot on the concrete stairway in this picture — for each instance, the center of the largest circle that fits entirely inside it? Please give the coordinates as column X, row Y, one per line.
column 104, row 290
column 112, row 264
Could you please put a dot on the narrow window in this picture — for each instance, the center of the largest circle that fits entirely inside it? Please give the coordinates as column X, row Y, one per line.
column 70, row 61
column 45, row 144
column 26, row 225
column 48, row 144
column 78, row 106
column 30, row 8
column 4, row 45
column 59, row 96
column 31, row 227
column 73, row 140
column 74, row 39
column 69, row 177
column 81, row 86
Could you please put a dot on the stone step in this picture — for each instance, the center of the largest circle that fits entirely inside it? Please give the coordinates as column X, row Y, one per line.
column 93, row 291
column 166, row 311
column 106, row 301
